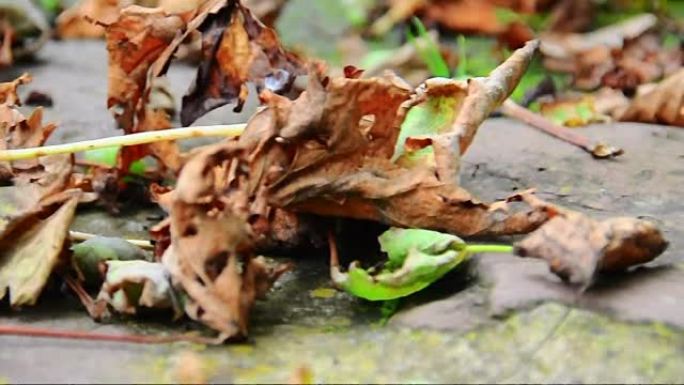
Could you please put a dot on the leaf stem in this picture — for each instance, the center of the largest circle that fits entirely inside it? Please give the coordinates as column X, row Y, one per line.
column 508, row 249
column 80, row 237
column 227, row 130
column 597, row 150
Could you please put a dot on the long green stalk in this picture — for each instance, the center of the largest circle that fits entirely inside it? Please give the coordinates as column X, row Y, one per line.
column 472, row 249
column 228, row 130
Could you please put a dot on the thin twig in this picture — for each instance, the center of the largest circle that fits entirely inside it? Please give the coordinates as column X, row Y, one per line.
column 80, row 237
column 597, row 150
column 228, row 130
column 96, row 309
column 32, row 331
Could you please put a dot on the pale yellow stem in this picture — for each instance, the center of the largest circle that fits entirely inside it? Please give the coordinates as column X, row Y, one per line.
column 228, row 130
column 78, row 236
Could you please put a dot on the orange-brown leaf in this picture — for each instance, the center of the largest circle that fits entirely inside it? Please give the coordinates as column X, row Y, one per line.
column 236, row 48
column 663, row 104
column 577, row 247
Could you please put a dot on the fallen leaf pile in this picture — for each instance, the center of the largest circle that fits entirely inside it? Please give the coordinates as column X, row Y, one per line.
column 359, row 146
column 620, row 56
column 330, row 153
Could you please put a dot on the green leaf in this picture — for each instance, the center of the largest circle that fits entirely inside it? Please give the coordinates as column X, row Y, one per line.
column 89, row 255
column 433, row 116
column 108, row 155
column 417, row 258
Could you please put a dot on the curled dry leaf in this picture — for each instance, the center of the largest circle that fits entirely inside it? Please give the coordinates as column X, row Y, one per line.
column 214, row 223
column 135, row 40
column 129, row 285
column 236, row 48
column 577, row 247
column 663, row 104
column 29, row 185
column 339, row 164
column 16, row 130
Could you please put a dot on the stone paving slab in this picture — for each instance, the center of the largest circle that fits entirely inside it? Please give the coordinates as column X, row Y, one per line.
column 500, row 328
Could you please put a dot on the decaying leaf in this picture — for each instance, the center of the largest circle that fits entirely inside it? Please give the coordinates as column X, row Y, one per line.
column 16, row 130
column 29, row 186
column 416, row 258
column 309, row 165
column 129, row 285
column 137, row 38
column 214, row 224
column 577, row 247
column 236, row 48
column 663, row 104
column 31, row 252
column 334, row 151
column 8, row 90
column 85, row 18
column 88, row 256
column 434, row 115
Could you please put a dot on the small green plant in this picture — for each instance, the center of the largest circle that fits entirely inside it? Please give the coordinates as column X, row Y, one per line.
column 427, row 49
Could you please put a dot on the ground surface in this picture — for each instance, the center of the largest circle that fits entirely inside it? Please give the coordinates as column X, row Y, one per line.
column 499, row 319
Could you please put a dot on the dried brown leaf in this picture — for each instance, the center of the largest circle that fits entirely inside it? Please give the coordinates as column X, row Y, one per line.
column 236, row 48
column 664, row 104
column 337, row 163
column 135, row 41
column 77, row 21
column 214, row 221
column 577, row 247
column 30, row 254
column 8, row 90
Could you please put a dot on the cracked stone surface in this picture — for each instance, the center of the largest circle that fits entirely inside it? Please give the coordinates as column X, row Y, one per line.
column 497, row 319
